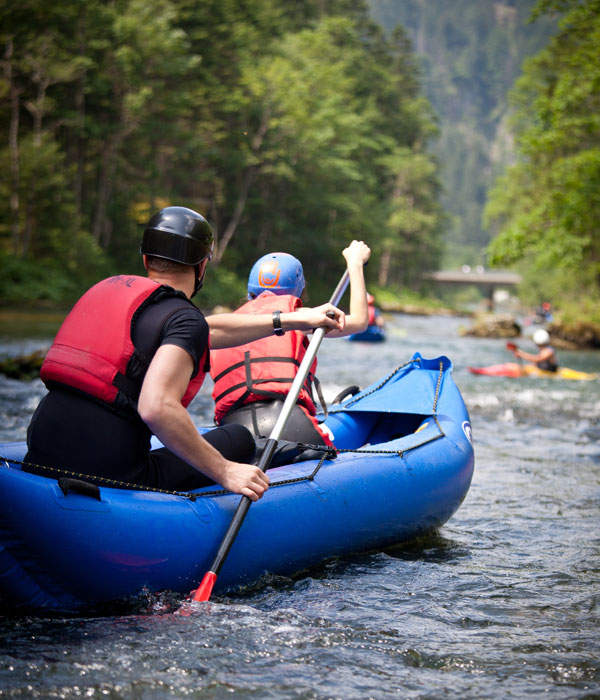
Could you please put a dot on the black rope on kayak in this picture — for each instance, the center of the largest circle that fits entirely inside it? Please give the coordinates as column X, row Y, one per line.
column 192, row 496
column 396, row 453
column 101, row 480
column 382, row 383
column 416, row 360
column 327, row 452
column 438, row 386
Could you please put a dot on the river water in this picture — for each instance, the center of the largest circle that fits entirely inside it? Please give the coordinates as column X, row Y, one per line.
column 502, row 602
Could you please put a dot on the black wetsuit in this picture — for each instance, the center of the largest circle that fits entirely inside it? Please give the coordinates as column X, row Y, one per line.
column 78, row 433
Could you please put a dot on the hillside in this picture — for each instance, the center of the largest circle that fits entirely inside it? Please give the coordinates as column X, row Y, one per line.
column 471, row 53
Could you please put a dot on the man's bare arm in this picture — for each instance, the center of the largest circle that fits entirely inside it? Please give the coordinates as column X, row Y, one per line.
column 161, row 409
column 229, row 330
column 356, row 254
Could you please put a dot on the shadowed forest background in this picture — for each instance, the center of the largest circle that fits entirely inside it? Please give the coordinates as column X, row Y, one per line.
column 442, row 133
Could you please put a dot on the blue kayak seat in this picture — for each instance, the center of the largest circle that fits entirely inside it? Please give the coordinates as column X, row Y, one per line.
column 350, row 430
column 354, row 429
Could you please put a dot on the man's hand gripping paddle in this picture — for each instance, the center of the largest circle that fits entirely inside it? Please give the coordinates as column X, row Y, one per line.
column 204, row 590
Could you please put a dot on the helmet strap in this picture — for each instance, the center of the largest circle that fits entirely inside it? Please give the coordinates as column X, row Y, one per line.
column 199, row 282
column 199, row 279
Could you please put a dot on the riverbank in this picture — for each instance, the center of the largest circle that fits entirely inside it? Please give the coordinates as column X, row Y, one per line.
column 573, row 335
column 422, row 310
column 567, row 335
column 574, row 328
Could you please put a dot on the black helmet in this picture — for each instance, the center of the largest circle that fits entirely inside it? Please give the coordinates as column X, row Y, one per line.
column 179, row 234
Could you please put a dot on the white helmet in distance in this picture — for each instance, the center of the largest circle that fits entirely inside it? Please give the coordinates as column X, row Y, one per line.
column 541, row 337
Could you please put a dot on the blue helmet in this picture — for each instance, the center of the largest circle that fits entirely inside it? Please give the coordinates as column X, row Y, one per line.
column 280, row 273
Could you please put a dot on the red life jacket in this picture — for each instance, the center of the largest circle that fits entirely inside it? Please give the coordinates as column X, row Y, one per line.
column 93, row 351
column 265, row 368
column 371, row 312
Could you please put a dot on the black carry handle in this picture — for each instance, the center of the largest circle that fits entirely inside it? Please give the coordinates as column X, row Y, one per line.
column 84, row 488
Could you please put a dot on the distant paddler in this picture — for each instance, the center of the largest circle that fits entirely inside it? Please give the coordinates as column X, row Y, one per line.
column 375, row 317
column 545, row 358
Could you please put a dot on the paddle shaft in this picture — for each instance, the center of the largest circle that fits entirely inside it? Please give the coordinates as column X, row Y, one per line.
column 204, row 590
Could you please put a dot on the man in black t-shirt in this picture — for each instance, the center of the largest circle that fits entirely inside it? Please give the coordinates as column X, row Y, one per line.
column 132, row 354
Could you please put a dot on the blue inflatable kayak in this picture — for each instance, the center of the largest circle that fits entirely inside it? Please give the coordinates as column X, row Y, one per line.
column 404, row 467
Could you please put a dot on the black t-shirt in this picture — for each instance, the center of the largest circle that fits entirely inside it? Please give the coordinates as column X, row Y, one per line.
column 80, row 434
column 185, row 327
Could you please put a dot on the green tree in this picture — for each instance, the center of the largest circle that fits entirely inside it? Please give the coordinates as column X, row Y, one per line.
column 38, row 205
column 317, row 132
column 546, row 208
column 34, row 63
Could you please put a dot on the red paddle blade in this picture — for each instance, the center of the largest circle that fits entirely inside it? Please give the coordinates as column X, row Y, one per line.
column 511, row 346
column 202, row 593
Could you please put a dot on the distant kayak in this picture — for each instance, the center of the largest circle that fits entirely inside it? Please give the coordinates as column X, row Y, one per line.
column 372, row 334
column 513, row 369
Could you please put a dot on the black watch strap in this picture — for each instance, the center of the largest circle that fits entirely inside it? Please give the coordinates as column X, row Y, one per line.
column 277, row 323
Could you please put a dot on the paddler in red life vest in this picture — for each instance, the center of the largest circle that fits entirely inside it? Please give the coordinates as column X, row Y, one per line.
column 375, row 318
column 252, row 380
column 128, row 360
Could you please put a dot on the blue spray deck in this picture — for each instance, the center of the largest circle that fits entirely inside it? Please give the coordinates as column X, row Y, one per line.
column 405, row 466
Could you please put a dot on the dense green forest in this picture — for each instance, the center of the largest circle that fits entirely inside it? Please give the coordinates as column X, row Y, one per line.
column 289, row 125
column 299, row 126
column 471, row 52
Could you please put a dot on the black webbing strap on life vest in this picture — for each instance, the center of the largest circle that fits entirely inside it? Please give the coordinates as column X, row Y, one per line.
column 322, row 401
column 252, row 385
column 128, row 386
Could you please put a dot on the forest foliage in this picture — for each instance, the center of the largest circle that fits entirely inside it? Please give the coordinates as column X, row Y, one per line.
column 471, row 52
column 546, row 208
column 290, row 126
column 520, row 161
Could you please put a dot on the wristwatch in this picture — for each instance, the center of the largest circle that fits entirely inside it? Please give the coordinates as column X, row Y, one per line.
column 278, row 330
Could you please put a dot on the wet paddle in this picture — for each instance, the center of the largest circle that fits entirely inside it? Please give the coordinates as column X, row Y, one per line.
column 204, row 590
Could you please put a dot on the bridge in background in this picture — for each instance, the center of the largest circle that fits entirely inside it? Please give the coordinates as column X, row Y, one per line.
column 487, row 281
